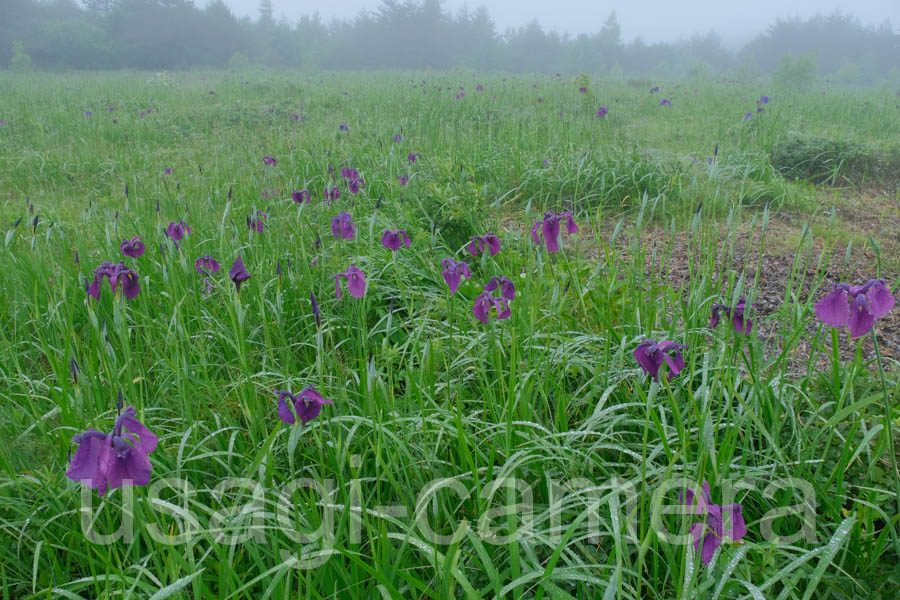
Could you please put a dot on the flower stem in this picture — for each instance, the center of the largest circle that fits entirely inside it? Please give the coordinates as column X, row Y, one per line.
column 888, row 423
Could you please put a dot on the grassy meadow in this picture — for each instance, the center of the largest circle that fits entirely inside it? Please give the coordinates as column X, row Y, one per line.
column 524, row 457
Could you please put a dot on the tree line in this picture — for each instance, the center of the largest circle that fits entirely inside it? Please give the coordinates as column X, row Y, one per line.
column 412, row 34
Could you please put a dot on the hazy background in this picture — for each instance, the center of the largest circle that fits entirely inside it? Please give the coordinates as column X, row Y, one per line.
column 653, row 20
column 853, row 43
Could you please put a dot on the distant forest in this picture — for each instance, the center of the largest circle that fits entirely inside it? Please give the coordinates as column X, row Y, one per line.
column 177, row 34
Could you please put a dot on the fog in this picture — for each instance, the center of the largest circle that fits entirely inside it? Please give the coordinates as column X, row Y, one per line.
column 652, row 20
column 854, row 43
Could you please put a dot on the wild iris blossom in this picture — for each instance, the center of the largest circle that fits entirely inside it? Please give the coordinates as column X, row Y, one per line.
column 398, row 138
column 206, row 264
column 342, row 226
column 413, row 156
column 453, row 272
column 480, row 242
column 484, row 303
column 736, row 315
column 107, row 461
column 549, row 229
column 650, row 355
column 300, row 196
column 711, row 533
column 393, row 239
column 238, row 273
column 333, row 194
column 269, row 161
column 307, row 405
column 356, row 282
column 665, row 102
column 133, row 247
column 507, row 288
column 856, row 306
column 257, row 223
column 403, row 179
column 115, row 273
column 177, row 231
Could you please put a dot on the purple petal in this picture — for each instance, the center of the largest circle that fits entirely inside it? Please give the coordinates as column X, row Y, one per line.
column 86, row 462
column 834, row 309
column 710, row 542
column 453, row 279
column 738, row 528
column 881, row 301
column 550, row 229
column 644, row 358
column 148, row 441
column 284, row 411
column 482, row 307
column 860, row 321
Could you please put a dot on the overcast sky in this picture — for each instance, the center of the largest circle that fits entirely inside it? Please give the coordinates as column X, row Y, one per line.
column 654, row 20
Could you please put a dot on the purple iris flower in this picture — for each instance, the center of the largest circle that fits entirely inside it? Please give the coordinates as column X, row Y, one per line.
column 238, row 273
column 665, row 102
column 2, row 122
column 212, row 93
column 413, row 156
column 549, row 229
column 654, row 90
column 650, row 355
column 748, row 116
column 344, row 128
column 484, row 303
column 711, row 533
column 736, row 314
column 480, row 242
column 295, row 117
column 115, row 273
column 602, row 112
column 507, row 289
column 856, row 306
column 760, row 110
column 268, row 193
column 177, row 231
column 354, row 185
column 307, row 405
column 393, row 239
column 88, row 114
column 300, row 196
column 763, row 100
column 403, row 179
column 257, row 223
column 348, row 173
column 168, row 171
column 133, row 247
column 583, row 90
column 540, row 99
column 453, row 272
column 356, row 282
column 206, row 264
column 106, row 462
column 342, row 226
column 333, row 194
column 479, row 88
column 398, row 138
column 269, row 161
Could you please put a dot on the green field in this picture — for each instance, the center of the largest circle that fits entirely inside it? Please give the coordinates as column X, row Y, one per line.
column 527, row 456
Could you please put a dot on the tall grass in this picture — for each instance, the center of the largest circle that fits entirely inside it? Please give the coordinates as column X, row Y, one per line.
column 539, row 428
